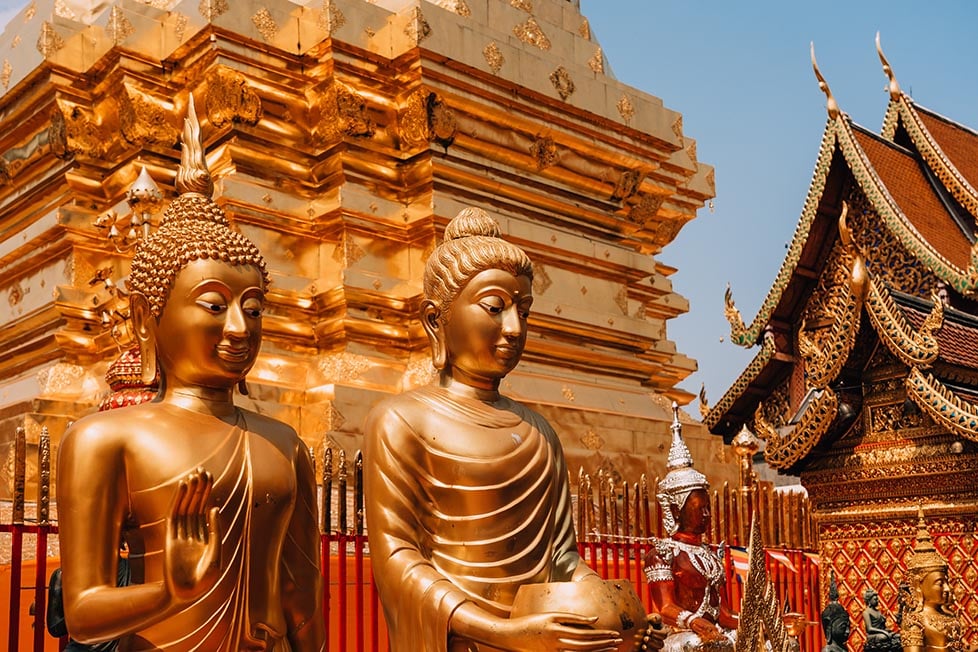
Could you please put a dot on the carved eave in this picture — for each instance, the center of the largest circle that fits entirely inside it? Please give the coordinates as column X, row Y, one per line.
column 748, row 335
column 913, row 347
column 943, row 404
column 782, row 451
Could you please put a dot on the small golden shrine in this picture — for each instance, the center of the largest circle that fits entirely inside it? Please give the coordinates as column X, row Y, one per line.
column 343, row 135
column 865, row 382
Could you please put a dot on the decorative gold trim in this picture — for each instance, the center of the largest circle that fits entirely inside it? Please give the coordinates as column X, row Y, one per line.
column 265, row 24
column 596, row 62
column 625, row 108
column 761, row 614
column 914, row 349
column 830, row 104
column 49, row 41
column 784, row 451
column 119, row 26
column 942, row 405
column 562, row 82
column 892, row 86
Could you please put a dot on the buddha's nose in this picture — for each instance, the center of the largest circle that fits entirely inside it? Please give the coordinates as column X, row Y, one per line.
column 512, row 324
column 234, row 323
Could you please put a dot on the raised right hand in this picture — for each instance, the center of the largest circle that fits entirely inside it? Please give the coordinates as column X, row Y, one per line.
column 546, row 632
column 193, row 542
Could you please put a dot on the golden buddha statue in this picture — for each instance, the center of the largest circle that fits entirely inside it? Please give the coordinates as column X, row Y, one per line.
column 216, row 503
column 687, row 576
column 468, row 495
column 929, row 624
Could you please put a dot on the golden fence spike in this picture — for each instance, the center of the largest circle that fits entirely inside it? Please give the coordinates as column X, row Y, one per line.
column 20, row 475
column 44, row 477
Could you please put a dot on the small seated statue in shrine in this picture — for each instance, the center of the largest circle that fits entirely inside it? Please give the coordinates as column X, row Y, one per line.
column 217, row 503
column 686, row 575
column 835, row 620
column 467, row 492
column 929, row 624
column 879, row 638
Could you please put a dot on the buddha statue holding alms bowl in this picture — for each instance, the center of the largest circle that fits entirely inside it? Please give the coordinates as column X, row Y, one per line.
column 468, row 496
column 216, row 503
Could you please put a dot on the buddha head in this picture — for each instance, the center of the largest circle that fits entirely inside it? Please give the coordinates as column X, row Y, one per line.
column 927, row 571
column 835, row 618
column 478, row 291
column 871, row 598
column 676, row 491
column 196, row 286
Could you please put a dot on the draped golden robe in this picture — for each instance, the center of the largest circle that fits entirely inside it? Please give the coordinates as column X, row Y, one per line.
column 264, row 488
column 467, row 501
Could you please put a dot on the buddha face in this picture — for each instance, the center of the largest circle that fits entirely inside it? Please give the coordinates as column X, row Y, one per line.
column 694, row 517
column 485, row 332
column 209, row 331
column 934, row 588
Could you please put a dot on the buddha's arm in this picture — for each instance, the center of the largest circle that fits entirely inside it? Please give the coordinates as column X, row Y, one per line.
column 301, row 576
column 91, row 498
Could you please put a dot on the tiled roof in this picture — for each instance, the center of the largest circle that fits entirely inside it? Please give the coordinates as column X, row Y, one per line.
column 901, row 173
column 958, row 143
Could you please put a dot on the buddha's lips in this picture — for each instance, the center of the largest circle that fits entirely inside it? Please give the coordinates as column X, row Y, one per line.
column 233, row 354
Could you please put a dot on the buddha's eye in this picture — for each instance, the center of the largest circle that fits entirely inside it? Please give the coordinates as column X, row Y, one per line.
column 492, row 305
column 212, row 303
column 253, row 308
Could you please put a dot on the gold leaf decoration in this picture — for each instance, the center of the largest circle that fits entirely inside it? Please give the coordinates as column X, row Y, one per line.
column 266, row 24
column 344, row 366
column 462, row 9
column 646, row 209
column 62, row 10
column 531, row 33
column 625, row 109
column 585, row 29
column 119, row 26
column 180, row 26
column 544, row 150
column 591, row 440
column 413, row 120
column 15, row 42
column 330, row 17
column 494, row 57
column 5, row 74
column 596, row 62
column 418, row 29
column 30, row 12
column 525, row 5
column 677, row 127
column 562, row 82
column 211, row 9
column 49, row 41
column 231, row 99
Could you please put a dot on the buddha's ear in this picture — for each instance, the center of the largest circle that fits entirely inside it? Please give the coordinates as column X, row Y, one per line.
column 144, row 329
column 431, row 322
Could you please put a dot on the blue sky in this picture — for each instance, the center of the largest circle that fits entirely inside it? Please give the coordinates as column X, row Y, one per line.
column 741, row 75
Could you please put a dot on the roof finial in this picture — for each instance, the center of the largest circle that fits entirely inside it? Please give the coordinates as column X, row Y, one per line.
column 830, row 104
column 893, row 86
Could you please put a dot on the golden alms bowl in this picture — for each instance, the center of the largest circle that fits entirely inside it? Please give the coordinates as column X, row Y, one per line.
column 614, row 602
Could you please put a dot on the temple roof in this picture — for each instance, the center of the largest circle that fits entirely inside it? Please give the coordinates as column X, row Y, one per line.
column 918, row 176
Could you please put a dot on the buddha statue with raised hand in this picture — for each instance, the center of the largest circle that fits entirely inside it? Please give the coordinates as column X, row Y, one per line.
column 216, row 503
column 467, row 492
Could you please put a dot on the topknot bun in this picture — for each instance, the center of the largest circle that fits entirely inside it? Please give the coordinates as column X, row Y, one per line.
column 472, row 221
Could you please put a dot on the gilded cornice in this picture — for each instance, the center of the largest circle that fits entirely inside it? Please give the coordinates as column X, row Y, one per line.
column 965, row 281
column 784, row 451
column 913, row 348
column 753, row 370
column 942, row 404
column 747, row 336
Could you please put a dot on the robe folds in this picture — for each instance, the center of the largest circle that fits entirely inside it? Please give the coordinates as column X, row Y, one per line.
column 451, row 521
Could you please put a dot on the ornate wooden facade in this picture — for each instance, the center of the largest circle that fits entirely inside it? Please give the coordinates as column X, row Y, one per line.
column 344, row 134
column 866, row 379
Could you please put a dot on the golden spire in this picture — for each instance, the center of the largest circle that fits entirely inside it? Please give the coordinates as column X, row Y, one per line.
column 893, row 87
column 830, row 104
column 192, row 175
